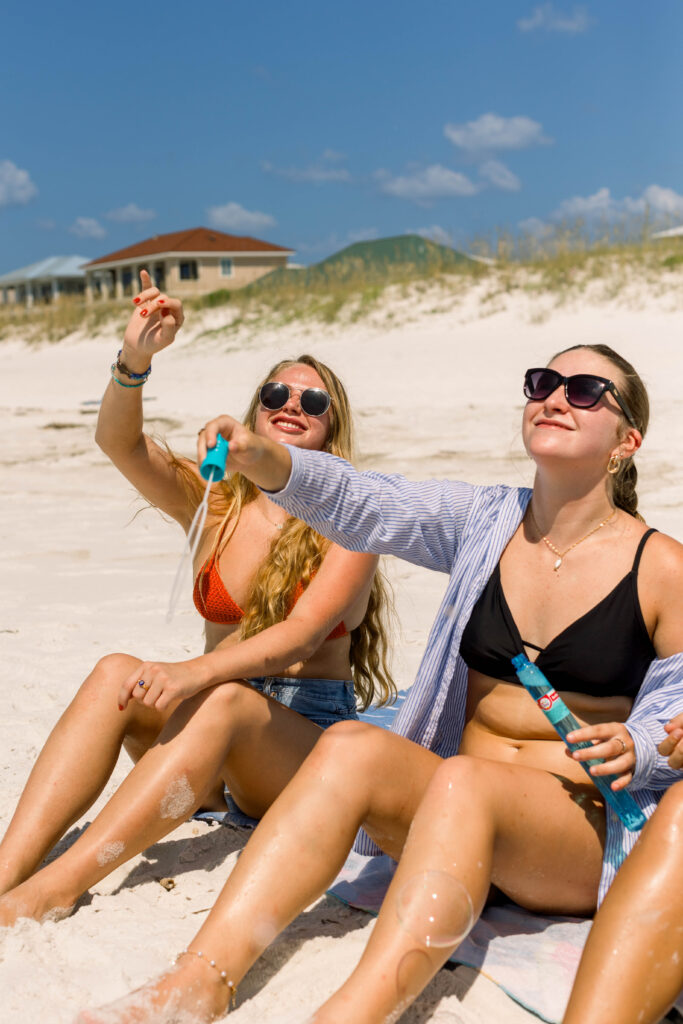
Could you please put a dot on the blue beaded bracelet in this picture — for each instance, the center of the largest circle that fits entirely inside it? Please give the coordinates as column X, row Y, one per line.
column 114, row 377
column 122, row 368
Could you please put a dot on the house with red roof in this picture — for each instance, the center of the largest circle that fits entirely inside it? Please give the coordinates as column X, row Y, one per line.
column 183, row 263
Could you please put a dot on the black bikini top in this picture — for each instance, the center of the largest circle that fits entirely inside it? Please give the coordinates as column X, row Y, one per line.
column 604, row 653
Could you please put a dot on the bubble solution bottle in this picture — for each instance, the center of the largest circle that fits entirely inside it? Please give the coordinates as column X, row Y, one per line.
column 563, row 722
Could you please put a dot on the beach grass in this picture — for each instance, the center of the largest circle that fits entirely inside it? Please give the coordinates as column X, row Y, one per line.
column 554, row 265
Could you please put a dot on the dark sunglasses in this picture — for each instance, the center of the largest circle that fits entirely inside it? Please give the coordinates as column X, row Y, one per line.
column 582, row 390
column 274, row 395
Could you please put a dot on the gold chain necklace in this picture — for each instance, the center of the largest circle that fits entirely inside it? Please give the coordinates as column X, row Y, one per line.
column 562, row 554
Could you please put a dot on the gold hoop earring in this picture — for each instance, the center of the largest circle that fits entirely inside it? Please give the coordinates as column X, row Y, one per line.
column 614, row 464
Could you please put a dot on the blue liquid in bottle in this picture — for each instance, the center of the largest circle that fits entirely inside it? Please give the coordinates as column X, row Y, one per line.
column 563, row 722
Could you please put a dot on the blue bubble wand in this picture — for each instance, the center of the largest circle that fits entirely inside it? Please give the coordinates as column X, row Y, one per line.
column 563, row 722
column 212, row 470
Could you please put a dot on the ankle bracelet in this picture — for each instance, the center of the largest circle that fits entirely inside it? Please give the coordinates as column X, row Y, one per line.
column 232, row 987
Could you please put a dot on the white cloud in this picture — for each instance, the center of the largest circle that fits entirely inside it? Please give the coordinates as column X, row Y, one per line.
column 16, row 187
column 233, row 217
column 536, row 227
column 499, row 175
column 434, row 182
column 658, row 200
column 655, row 199
column 492, row 132
column 87, row 227
column 130, row 214
column 597, row 205
column 435, row 233
column 548, row 19
column 327, row 168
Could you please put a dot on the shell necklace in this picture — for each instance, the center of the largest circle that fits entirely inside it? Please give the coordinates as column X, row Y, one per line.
column 563, row 554
column 278, row 526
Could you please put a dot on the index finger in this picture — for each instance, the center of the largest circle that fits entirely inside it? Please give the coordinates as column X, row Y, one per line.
column 586, row 734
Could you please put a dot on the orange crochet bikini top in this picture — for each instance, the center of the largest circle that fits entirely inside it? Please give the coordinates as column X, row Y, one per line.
column 214, row 603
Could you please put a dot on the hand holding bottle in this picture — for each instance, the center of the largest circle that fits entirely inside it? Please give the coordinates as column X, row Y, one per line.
column 612, row 743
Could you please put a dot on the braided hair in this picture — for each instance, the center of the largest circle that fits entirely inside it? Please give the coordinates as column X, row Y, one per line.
column 634, row 393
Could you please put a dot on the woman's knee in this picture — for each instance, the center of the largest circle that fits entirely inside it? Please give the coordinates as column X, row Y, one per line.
column 351, row 746
column 109, row 672
column 462, row 774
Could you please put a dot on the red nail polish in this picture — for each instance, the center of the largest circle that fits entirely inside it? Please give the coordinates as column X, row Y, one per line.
column 143, row 312
column 136, row 299
column 161, row 301
column 120, row 707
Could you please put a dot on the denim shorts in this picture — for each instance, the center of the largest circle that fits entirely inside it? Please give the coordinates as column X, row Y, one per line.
column 323, row 701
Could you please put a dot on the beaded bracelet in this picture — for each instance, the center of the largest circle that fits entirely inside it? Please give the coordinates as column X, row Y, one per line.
column 114, row 377
column 122, row 368
column 232, row 987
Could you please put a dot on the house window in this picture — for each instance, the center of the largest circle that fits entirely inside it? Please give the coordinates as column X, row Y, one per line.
column 226, row 268
column 188, row 270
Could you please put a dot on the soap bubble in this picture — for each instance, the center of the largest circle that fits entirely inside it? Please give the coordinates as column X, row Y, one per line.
column 435, row 909
column 412, row 974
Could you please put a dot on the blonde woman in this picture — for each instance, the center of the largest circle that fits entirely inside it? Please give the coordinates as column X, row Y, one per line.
column 294, row 643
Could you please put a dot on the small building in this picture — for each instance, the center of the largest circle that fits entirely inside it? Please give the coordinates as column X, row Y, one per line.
column 192, row 262
column 44, row 281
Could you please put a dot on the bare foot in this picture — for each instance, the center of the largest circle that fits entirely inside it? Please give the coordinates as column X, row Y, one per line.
column 192, row 993
column 31, row 900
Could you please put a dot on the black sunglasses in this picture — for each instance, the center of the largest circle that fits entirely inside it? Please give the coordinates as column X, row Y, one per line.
column 274, row 395
column 582, row 390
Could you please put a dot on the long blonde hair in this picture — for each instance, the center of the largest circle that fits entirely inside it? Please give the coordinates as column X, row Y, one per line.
column 297, row 550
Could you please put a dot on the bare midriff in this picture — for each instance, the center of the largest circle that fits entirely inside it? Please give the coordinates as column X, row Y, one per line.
column 504, row 724
column 330, row 661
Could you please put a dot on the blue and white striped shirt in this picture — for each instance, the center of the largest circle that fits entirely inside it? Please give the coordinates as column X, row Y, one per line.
column 462, row 530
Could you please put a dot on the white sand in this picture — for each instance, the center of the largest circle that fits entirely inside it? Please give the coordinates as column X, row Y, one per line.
column 437, row 394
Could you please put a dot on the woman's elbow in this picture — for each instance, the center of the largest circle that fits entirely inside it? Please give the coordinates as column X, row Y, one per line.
column 307, row 648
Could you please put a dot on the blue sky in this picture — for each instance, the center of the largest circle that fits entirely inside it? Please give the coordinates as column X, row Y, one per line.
column 314, row 125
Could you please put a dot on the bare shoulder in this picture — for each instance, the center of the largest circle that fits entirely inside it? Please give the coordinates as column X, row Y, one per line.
column 663, row 559
column 660, row 583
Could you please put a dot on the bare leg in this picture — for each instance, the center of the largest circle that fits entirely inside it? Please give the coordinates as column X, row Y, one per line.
column 74, row 766
column 632, row 965
column 480, row 822
column 228, row 731
column 357, row 774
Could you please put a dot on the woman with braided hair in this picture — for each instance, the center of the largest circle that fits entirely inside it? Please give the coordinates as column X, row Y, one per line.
column 295, row 641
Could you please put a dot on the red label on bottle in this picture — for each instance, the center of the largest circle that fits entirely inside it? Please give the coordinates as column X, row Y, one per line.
column 547, row 700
